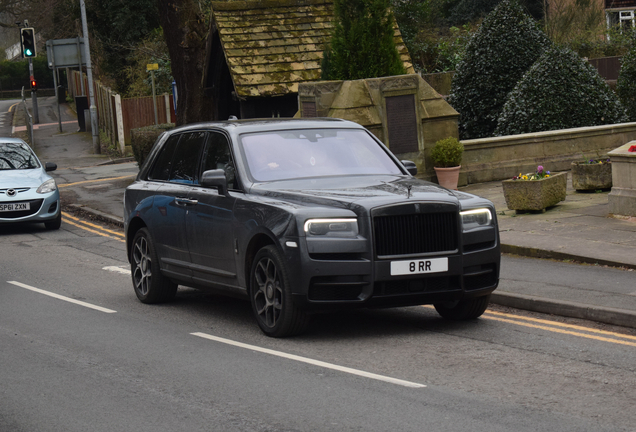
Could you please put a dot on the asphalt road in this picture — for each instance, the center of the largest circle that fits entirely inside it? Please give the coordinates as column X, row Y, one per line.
column 94, row 358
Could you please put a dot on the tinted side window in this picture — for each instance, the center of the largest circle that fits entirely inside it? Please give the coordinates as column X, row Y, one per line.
column 163, row 164
column 187, row 157
column 218, row 156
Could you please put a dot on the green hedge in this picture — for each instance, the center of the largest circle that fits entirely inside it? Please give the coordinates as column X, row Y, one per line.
column 560, row 91
column 500, row 52
column 14, row 75
column 626, row 84
column 362, row 45
column 142, row 139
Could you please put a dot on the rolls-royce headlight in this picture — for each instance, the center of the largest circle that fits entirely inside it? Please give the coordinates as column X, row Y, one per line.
column 47, row 186
column 331, row 227
column 476, row 218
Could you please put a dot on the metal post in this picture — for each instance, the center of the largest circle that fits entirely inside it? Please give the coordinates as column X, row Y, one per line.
column 89, row 73
column 154, row 96
column 57, row 96
column 34, row 97
column 79, row 56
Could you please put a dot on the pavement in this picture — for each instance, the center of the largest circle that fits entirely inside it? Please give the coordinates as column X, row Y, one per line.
column 578, row 229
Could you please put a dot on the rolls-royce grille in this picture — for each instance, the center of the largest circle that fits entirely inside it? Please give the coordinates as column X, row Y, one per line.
column 415, row 233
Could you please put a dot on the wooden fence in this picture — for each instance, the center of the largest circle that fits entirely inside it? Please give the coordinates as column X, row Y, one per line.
column 608, row 67
column 117, row 116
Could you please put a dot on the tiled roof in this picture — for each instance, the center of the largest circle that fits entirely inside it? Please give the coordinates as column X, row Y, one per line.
column 273, row 45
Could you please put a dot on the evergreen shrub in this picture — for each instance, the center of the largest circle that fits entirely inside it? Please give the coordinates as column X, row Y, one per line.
column 447, row 153
column 560, row 91
column 626, row 84
column 500, row 52
column 142, row 139
column 362, row 45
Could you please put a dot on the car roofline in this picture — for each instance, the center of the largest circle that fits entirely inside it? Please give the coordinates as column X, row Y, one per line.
column 270, row 124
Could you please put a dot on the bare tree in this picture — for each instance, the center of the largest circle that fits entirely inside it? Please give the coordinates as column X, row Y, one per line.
column 185, row 30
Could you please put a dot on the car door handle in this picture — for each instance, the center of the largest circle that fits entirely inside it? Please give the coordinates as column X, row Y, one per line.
column 185, row 201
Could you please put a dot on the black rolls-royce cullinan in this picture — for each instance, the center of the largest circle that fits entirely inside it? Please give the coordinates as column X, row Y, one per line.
column 304, row 215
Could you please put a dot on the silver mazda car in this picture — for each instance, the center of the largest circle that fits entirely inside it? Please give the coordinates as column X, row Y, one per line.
column 27, row 192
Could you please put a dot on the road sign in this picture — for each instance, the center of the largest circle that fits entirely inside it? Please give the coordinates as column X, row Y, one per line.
column 65, row 52
column 152, row 66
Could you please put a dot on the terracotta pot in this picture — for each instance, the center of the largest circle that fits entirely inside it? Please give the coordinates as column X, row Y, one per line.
column 524, row 195
column 448, row 177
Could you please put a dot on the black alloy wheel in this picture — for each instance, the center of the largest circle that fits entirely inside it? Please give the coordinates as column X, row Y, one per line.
column 271, row 297
column 150, row 285
column 463, row 310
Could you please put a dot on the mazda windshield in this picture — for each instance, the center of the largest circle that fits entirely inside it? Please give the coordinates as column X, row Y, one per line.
column 16, row 156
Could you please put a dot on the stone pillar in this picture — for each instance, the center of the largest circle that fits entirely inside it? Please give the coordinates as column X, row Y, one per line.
column 622, row 198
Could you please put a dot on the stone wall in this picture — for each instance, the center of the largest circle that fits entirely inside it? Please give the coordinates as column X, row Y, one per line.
column 499, row 158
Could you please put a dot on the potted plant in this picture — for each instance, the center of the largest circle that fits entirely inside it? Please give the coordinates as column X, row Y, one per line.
column 535, row 191
column 592, row 174
column 447, row 158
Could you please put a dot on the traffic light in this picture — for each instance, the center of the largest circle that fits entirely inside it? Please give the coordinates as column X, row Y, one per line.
column 27, row 38
column 34, row 84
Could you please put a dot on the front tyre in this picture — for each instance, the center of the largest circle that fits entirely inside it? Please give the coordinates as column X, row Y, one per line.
column 465, row 309
column 271, row 298
column 54, row 224
column 150, row 285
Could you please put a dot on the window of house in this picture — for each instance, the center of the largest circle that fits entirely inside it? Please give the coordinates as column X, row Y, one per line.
column 623, row 19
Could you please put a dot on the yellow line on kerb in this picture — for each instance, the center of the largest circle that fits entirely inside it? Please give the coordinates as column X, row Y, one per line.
column 66, row 215
column 562, row 331
column 557, row 327
column 95, row 181
column 80, row 224
column 558, row 324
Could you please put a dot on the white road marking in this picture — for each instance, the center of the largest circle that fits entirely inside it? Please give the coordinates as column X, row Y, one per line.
column 117, row 270
column 61, row 297
column 311, row 361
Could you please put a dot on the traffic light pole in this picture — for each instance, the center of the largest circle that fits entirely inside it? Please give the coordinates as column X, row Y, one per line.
column 89, row 74
column 34, row 96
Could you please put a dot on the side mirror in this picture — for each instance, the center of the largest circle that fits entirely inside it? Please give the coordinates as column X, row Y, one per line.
column 215, row 178
column 410, row 167
column 50, row 166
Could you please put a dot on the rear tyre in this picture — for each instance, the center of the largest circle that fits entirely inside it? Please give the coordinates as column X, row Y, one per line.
column 271, row 298
column 150, row 285
column 463, row 310
column 54, row 224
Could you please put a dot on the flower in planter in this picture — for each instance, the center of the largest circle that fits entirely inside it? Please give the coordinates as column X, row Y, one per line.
column 595, row 161
column 538, row 175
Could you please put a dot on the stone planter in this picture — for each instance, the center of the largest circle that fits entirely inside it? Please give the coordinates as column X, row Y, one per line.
column 591, row 176
column 525, row 195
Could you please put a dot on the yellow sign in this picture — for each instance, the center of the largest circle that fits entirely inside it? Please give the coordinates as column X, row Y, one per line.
column 153, row 66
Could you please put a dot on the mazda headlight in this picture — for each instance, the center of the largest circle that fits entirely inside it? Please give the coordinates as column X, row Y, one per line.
column 47, row 187
column 476, row 218
column 331, row 227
